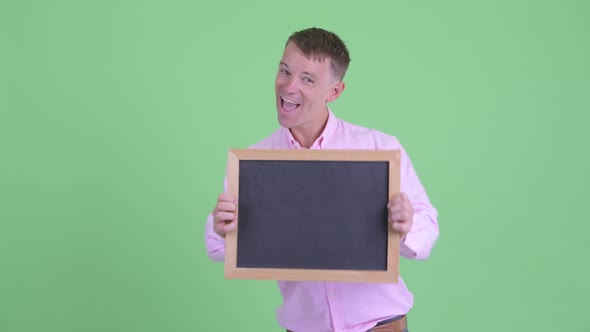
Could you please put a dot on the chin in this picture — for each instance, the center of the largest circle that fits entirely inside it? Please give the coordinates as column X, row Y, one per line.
column 282, row 121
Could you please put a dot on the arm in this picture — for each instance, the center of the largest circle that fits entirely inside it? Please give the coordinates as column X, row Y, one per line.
column 413, row 215
column 220, row 221
column 214, row 243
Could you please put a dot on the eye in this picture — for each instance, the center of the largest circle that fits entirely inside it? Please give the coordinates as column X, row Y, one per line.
column 284, row 72
column 307, row 80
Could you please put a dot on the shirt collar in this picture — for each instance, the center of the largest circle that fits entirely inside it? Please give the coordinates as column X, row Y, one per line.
column 326, row 133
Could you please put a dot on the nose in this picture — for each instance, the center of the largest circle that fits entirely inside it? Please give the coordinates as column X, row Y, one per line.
column 291, row 84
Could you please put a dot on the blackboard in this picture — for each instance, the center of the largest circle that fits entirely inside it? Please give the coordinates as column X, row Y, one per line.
column 313, row 215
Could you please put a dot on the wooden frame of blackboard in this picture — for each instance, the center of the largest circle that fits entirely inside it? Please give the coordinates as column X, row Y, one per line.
column 387, row 275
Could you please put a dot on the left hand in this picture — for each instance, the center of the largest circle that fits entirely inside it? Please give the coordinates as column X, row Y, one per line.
column 401, row 214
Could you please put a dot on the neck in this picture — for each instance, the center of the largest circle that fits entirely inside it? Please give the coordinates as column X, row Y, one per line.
column 306, row 136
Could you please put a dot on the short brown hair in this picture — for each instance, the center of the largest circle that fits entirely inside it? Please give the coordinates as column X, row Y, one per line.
column 320, row 44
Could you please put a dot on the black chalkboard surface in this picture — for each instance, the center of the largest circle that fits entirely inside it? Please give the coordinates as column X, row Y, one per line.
column 313, row 215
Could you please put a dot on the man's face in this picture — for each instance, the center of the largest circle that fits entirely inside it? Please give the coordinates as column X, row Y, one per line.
column 303, row 87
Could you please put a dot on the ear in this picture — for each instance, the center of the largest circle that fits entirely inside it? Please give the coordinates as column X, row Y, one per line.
column 336, row 91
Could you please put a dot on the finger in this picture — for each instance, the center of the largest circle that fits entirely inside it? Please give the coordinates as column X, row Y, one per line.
column 403, row 202
column 393, row 199
column 398, row 200
column 225, row 197
column 403, row 228
column 229, row 227
column 396, row 208
column 222, row 228
column 402, row 198
column 224, row 216
column 226, row 206
column 394, row 215
column 397, row 216
column 397, row 226
column 408, row 203
column 402, row 214
column 404, row 222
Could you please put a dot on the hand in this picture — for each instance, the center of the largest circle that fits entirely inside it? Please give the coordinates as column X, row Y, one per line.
column 401, row 214
column 224, row 216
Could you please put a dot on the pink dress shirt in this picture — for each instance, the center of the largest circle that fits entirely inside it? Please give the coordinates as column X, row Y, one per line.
column 348, row 307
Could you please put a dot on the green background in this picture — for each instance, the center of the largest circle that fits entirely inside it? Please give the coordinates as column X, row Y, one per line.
column 116, row 117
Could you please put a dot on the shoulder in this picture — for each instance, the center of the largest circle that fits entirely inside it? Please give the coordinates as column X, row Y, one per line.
column 272, row 141
column 368, row 138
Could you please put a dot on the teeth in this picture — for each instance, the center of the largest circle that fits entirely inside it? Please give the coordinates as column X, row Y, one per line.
column 289, row 101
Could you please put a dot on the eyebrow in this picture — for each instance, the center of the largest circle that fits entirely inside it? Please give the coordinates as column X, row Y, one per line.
column 305, row 72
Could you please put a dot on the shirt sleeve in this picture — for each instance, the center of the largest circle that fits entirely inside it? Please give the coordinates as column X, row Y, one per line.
column 419, row 241
column 214, row 243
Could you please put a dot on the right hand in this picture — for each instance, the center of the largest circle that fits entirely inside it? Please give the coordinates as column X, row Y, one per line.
column 224, row 214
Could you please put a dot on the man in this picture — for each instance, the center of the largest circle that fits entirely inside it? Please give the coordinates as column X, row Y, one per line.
column 310, row 76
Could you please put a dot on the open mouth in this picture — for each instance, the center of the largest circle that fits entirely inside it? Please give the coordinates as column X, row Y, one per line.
column 289, row 105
